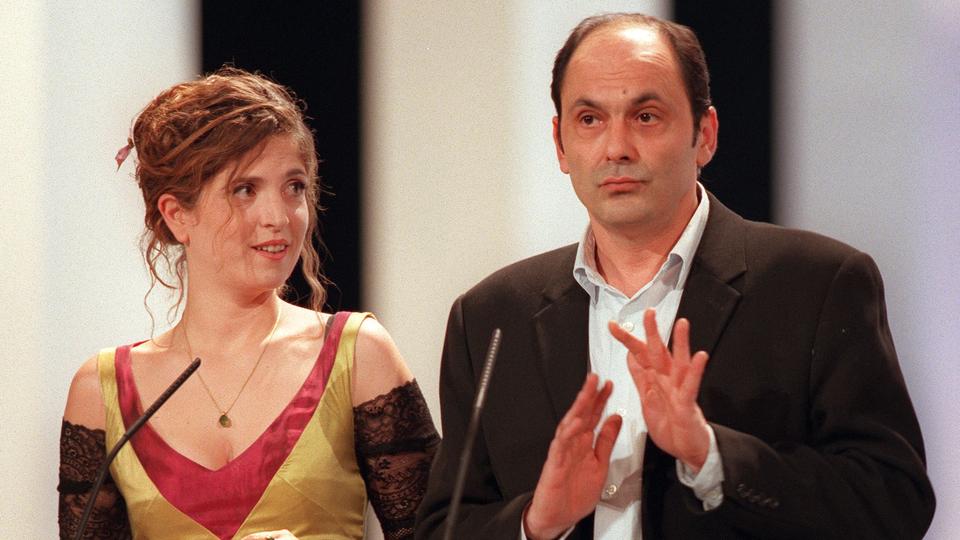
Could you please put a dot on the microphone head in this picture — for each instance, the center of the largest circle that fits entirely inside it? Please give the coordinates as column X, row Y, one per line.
column 488, row 368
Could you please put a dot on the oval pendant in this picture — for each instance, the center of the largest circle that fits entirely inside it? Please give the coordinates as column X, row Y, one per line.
column 225, row 420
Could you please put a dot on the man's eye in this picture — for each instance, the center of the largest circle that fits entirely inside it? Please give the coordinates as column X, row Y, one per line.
column 646, row 117
column 588, row 119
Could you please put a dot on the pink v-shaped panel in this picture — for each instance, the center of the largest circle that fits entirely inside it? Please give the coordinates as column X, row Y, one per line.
column 221, row 499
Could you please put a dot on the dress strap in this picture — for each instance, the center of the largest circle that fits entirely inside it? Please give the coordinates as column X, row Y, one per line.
column 106, row 369
column 348, row 335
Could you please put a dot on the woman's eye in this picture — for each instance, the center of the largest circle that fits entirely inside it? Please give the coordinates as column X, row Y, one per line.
column 243, row 190
column 297, row 187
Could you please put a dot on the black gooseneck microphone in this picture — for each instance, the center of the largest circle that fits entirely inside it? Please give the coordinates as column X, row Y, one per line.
column 471, row 433
column 102, row 474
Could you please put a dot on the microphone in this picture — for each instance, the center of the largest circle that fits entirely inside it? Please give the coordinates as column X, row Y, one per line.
column 102, row 474
column 471, row 433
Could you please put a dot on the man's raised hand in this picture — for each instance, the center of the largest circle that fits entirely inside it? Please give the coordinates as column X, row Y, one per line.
column 576, row 467
column 668, row 384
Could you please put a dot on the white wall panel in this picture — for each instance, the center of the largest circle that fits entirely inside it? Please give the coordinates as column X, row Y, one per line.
column 460, row 172
column 867, row 123
column 21, row 385
column 75, row 74
column 460, row 175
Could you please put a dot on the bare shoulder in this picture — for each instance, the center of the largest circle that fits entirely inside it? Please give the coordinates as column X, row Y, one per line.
column 303, row 323
column 378, row 364
column 84, row 401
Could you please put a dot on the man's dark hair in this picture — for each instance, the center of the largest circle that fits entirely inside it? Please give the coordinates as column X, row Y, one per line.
column 686, row 48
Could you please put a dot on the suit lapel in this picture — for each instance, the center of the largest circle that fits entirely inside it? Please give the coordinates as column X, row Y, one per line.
column 562, row 332
column 709, row 296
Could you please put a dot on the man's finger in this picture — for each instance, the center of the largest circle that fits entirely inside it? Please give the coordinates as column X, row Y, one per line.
column 607, row 437
column 678, row 372
column 657, row 353
column 630, row 341
column 681, row 340
column 691, row 384
column 564, row 442
column 601, row 402
column 636, row 347
column 636, row 372
column 583, row 404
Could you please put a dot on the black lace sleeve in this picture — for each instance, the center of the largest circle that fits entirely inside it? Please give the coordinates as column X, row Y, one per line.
column 82, row 451
column 395, row 443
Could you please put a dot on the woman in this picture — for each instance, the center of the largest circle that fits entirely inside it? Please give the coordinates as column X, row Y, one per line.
column 294, row 415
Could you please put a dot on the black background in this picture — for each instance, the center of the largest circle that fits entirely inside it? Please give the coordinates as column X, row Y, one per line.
column 314, row 48
column 736, row 36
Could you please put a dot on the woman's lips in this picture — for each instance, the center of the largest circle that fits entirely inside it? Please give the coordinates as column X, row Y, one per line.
column 274, row 249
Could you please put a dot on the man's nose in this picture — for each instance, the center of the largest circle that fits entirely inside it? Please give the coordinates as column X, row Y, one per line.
column 620, row 146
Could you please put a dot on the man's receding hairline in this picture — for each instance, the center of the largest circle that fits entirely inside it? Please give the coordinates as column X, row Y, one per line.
column 613, row 26
column 621, row 24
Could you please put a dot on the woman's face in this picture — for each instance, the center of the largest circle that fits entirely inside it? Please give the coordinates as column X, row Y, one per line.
column 249, row 225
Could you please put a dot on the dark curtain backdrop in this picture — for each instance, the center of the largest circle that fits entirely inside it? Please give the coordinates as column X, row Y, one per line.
column 736, row 36
column 313, row 48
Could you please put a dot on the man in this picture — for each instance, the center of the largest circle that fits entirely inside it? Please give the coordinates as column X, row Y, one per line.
column 791, row 421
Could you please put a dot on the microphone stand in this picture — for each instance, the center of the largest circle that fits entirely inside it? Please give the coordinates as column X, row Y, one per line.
column 471, row 434
column 102, row 475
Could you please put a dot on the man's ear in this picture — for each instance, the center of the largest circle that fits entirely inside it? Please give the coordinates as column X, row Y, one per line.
column 175, row 216
column 706, row 142
column 558, row 143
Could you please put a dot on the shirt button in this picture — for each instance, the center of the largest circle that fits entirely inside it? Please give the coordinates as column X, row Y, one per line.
column 622, row 412
column 609, row 491
column 627, row 325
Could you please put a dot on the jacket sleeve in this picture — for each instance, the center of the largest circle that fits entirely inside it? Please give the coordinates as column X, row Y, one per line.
column 861, row 473
column 483, row 513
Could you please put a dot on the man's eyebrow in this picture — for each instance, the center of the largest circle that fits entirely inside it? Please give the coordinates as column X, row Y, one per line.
column 639, row 100
column 584, row 102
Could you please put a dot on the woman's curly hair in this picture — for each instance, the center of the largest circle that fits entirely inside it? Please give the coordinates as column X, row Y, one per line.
column 189, row 133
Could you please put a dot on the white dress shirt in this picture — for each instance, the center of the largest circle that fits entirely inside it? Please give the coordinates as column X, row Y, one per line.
column 618, row 514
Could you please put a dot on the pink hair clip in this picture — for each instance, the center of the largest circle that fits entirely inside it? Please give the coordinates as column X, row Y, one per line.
column 123, row 153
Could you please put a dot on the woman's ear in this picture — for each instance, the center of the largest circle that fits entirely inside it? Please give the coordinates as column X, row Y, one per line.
column 175, row 216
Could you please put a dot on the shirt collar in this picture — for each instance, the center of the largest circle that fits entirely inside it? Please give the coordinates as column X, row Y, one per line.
column 585, row 269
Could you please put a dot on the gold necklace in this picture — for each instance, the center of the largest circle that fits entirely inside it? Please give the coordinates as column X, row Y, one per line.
column 224, row 419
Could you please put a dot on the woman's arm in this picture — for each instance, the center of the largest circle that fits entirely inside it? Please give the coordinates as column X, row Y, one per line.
column 82, row 451
column 394, row 434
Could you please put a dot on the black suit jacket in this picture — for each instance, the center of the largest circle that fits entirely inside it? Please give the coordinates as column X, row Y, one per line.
column 814, row 426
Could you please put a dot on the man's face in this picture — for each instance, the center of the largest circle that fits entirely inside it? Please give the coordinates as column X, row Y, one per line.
column 626, row 136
